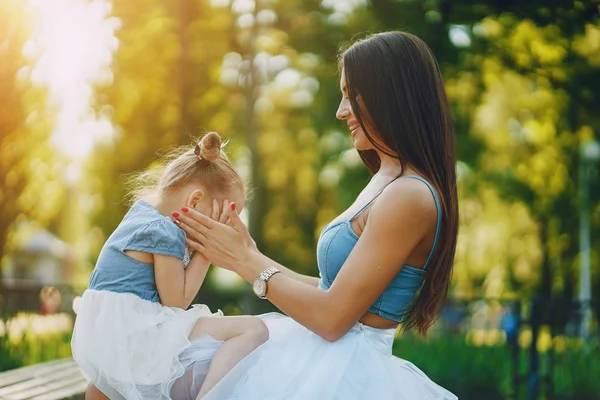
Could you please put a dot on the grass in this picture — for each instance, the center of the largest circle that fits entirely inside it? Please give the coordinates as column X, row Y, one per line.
column 485, row 371
column 28, row 338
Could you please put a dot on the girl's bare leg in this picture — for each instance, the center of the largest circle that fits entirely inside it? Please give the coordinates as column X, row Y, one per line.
column 93, row 393
column 241, row 335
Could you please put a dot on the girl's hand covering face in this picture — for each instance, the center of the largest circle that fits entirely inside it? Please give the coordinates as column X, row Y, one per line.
column 221, row 214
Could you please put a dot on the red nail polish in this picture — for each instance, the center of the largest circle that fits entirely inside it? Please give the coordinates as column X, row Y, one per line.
column 175, row 214
column 232, row 206
column 184, row 209
column 177, row 222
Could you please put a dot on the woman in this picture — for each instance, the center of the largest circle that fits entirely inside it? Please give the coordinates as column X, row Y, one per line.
column 386, row 260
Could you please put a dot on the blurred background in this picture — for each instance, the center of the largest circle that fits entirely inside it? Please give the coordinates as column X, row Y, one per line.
column 91, row 90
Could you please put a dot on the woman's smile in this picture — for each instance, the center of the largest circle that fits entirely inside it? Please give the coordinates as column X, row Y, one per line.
column 354, row 127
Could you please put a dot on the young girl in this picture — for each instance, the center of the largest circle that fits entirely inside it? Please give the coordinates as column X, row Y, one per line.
column 133, row 337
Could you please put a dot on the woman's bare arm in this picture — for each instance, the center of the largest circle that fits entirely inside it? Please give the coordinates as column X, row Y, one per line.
column 401, row 218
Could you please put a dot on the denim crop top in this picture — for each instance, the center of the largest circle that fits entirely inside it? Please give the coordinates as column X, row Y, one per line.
column 143, row 229
column 337, row 241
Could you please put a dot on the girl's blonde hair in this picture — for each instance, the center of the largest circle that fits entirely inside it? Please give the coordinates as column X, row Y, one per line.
column 206, row 163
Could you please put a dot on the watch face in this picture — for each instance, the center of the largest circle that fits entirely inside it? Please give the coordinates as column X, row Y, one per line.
column 259, row 286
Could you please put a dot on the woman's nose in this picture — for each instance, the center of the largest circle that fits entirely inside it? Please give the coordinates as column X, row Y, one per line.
column 343, row 110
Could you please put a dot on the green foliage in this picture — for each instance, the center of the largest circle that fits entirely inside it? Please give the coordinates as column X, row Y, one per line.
column 27, row 339
column 576, row 370
column 33, row 350
column 485, row 372
column 469, row 372
column 30, row 168
column 12, row 116
column 8, row 358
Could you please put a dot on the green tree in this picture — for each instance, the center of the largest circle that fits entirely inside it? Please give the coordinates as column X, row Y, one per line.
column 162, row 95
column 11, row 114
column 29, row 165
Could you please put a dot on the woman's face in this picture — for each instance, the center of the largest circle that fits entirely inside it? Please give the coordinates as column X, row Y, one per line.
column 345, row 113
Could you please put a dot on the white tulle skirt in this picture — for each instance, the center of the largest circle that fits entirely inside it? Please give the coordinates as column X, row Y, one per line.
column 136, row 349
column 296, row 364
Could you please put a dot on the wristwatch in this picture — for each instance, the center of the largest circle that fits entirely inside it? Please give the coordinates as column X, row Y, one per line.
column 259, row 285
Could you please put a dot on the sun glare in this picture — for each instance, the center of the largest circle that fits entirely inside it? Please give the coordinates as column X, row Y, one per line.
column 72, row 44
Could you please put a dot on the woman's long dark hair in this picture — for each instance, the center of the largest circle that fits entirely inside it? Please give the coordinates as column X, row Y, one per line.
column 404, row 104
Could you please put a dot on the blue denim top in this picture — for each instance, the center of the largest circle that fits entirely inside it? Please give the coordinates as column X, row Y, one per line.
column 143, row 229
column 337, row 241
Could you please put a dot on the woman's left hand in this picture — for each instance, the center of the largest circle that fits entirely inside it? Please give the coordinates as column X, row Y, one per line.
column 225, row 245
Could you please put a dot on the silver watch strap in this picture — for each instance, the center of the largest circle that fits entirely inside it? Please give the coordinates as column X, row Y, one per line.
column 268, row 273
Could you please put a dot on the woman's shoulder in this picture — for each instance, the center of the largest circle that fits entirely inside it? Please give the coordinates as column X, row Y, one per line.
column 407, row 197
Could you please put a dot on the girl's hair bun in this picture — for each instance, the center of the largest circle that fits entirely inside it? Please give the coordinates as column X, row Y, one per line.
column 210, row 147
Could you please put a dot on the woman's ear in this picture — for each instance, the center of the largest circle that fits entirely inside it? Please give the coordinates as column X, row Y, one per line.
column 195, row 198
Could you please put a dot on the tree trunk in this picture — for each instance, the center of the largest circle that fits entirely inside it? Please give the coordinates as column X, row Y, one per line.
column 184, row 85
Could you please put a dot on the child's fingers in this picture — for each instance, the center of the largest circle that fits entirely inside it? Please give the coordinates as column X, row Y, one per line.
column 224, row 212
column 215, row 210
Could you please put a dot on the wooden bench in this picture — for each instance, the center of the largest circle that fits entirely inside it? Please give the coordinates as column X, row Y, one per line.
column 54, row 380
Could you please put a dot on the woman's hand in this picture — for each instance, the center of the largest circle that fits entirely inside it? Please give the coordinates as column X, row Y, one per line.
column 226, row 246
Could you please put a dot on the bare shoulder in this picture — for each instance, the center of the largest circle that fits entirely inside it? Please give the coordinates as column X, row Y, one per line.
column 405, row 200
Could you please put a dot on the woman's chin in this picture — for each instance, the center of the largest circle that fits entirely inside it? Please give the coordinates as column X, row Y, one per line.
column 360, row 145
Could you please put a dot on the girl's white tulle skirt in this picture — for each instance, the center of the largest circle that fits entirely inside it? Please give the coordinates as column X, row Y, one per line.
column 296, row 364
column 136, row 349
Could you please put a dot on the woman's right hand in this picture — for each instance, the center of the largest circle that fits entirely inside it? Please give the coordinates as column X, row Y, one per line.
column 227, row 244
column 222, row 215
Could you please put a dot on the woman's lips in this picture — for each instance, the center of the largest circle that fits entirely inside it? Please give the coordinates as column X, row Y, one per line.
column 354, row 126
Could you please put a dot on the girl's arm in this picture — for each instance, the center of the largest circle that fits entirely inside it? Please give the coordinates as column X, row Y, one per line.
column 177, row 286
column 402, row 217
